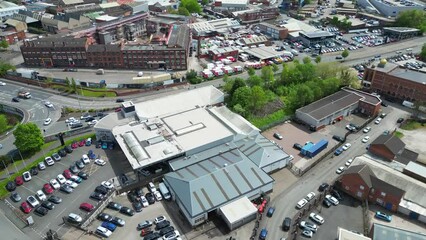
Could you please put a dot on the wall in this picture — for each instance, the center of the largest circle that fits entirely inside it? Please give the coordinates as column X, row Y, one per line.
column 377, row 198
column 382, row 151
column 351, row 184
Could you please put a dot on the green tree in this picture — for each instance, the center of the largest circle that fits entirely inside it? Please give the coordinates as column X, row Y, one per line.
column 275, row 68
column 4, row 67
column 28, row 137
column 413, row 19
column 251, row 71
column 258, row 98
column 204, row 2
column 242, row 96
column 423, row 52
column 334, row 21
column 306, row 60
column 238, row 83
column 267, row 75
column 191, row 5
column 318, row 59
column 345, row 54
column 183, row 11
column 239, row 109
column 68, row 82
column 254, row 80
column 4, row 124
column 4, row 44
column 73, row 85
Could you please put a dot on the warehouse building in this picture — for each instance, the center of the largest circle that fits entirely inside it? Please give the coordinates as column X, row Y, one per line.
column 215, row 156
column 317, row 37
column 338, row 105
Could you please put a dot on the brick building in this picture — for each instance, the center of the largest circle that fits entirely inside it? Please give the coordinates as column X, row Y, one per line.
column 276, row 32
column 105, row 56
column 395, row 82
column 392, row 148
column 360, row 182
column 256, row 15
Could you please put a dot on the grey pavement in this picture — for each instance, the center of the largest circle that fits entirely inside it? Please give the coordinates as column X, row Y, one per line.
column 9, row 230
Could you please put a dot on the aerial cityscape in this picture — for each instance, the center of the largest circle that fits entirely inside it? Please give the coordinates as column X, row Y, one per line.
column 213, row 119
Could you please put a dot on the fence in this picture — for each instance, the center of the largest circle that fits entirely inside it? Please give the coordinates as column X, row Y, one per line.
column 68, row 133
column 276, row 123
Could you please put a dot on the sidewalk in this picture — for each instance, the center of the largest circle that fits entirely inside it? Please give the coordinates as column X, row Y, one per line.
column 20, row 165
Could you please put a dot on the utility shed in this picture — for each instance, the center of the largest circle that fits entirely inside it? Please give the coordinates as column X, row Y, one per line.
column 238, row 212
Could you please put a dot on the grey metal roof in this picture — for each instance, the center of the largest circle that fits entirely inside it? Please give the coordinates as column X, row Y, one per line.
column 331, row 104
column 383, row 186
column 212, row 182
column 385, row 232
column 407, row 156
column 411, row 75
column 394, row 144
column 317, row 34
column 368, row 98
column 416, row 169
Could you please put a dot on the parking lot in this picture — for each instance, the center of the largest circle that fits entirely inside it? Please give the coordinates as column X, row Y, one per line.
column 70, row 202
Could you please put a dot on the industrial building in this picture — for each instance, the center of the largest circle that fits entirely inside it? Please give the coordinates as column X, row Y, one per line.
column 391, row 8
column 215, row 156
column 400, row 33
column 230, row 5
column 317, row 37
column 8, row 9
column 338, row 105
column 256, row 15
column 275, row 32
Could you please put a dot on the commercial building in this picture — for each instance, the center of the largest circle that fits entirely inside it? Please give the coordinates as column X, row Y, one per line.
column 317, row 37
column 8, row 9
column 343, row 234
column 392, row 8
column 275, row 32
column 215, row 156
column 230, row 5
column 415, row 170
column 213, row 27
column 395, row 82
column 392, row 148
column 338, row 105
column 64, row 22
column 400, row 33
column 219, row 53
column 256, row 15
column 382, row 231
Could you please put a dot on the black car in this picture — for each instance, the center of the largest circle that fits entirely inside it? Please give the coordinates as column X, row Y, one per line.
column 15, row 197
column 114, row 206
column 336, row 194
column 11, row 186
column 118, row 221
column 74, row 169
column 166, row 230
column 101, row 189
column 33, row 171
column 150, row 197
column 132, row 197
column 400, row 120
column 326, row 203
column 138, row 192
column 124, row 179
column 323, row 187
column 41, row 211
column 55, row 199
column 48, row 205
column 297, row 146
column 97, row 196
column 338, row 138
column 137, row 206
column 127, row 211
column 16, row 99
column 119, row 100
column 68, row 149
column 83, row 175
column 62, row 153
column 152, row 236
column 384, row 104
column 66, row 189
column 79, row 164
column 162, row 224
column 383, row 115
column 286, row 224
column 104, row 217
column 89, row 119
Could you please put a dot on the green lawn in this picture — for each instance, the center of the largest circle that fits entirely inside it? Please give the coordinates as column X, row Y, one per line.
column 264, row 122
column 398, row 134
column 99, row 93
column 412, row 125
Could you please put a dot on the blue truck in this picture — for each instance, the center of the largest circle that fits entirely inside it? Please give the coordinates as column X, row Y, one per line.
column 305, row 148
column 314, row 149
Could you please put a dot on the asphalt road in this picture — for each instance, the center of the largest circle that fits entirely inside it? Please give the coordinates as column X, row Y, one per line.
column 286, row 201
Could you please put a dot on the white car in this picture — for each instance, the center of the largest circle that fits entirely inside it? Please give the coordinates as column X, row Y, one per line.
column 307, row 233
column 301, row 203
column 346, row 146
column 33, row 201
column 85, row 159
column 332, row 199
column 27, row 176
column 366, row 130
column 41, row 166
column 107, row 184
column 61, row 179
column 40, row 195
column 151, row 187
column 70, row 120
column 340, row 170
column 47, row 121
column 103, row 232
column 2, row 84
column 49, row 161
column 93, row 122
column 160, row 219
column 310, row 196
column 55, row 184
column 349, row 162
column 144, row 201
column 157, row 196
column 48, row 104
column 71, row 183
column 100, row 162
column 365, row 139
column 378, row 120
column 309, row 226
column 316, row 218
column 171, row 235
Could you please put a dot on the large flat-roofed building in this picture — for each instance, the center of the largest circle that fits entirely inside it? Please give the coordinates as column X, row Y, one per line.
column 317, row 37
column 274, row 31
column 232, row 5
column 395, row 82
column 338, row 105
column 400, row 33
column 213, row 27
column 8, row 9
column 215, row 156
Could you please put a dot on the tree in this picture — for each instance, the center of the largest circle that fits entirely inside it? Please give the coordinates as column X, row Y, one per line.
column 306, row 60
column 73, row 85
column 238, row 83
column 183, row 11
column 4, row 67
column 68, row 82
column 4, row 124
column 242, row 96
column 345, row 54
column 251, row 71
column 254, row 80
column 4, row 44
column 275, row 68
column 334, row 21
column 318, row 59
column 191, row 5
column 412, row 19
column 423, row 52
column 239, row 109
column 28, row 137
column 204, row 2
column 258, row 98
column 267, row 75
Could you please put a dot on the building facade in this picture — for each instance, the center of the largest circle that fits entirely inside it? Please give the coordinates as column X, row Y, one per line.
column 256, row 15
column 317, row 37
column 275, row 32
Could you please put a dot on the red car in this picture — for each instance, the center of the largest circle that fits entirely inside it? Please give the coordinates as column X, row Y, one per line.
column 25, row 207
column 118, row 110
column 86, row 207
column 74, row 145
column 82, row 143
column 19, row 180
column 47, row 188
column 67, row 174
column 146, row 231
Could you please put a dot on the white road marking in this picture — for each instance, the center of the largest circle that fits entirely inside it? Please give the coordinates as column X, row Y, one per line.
column 61, row 213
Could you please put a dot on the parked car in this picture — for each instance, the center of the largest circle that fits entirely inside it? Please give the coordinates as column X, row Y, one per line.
column 270, row 212
column 19, row 180
column 162, row 224
column 332, row 199
column 144, row 224
column 26, row 207
column 49, row 161
column 349, row 162
column 316, row 218
column 107, row 185
column 87, row 207
column 76, row 179
column 366, row 130
column 301, row 203
column 118, row 221
column 97, row 196
column 100, row 162
column 15, row 197
column 307, row 233
column 400, row 120
column 166, row 230
column 67, row 174
column 286, row 224
column 144, row 201
column 278, row 136
column 146, row 231
column 41, row 166
column 157, row 196
column 310, row 196
column 32, row 201
column 47, row 189
column 85, row 159
column 383, row 216
column 150, row 198
column 151, row 187
column 104, row 217
column 68, row 149
column 137, row 206
column 103, row 232
column 66, row 189
column 79, row 164
column 323, row 187
column 297, row 146
column 61, row 179
column 365, row 139
column 326, row 203
column 110, row 226
column 309, row 226
column 71, row 183
column 83, row 175
column 26, row 176
column 74, row 169
column 48, row 205
column 346, row 146
column 54, row 199
column 114, row 206
column 62, row 153
column 340, row 170
column 378, row 120
column 33, row 171
column 74, row 218
column 56, row 157
column 127, row 211
column 263, row 234
column 101, row 189
column 338, row 151
column 336, row 194
column 338, row 138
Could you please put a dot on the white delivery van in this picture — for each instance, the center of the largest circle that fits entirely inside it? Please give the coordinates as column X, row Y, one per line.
column 164, row 191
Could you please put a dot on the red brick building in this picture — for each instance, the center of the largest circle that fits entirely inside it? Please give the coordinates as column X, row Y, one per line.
column 360, row 182
column 256, row 15
column 392, row 148
column 12, row 36
column 103, row 56
column 395, row 82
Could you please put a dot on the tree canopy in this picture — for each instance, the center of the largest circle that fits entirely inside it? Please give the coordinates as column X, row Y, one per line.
column 4, row 44
column 28, row 137
column 412, row 18
column 4, row 67
column 423, row 52
column 191, row 5
column 345, row 53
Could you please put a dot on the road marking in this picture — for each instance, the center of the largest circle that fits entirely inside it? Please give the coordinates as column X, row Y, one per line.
column 28, row 189
column 61, row 213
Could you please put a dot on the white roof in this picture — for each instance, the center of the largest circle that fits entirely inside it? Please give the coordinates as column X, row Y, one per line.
column 238, row 209
column 106, row 18
column 233, row 2
column 344, row 234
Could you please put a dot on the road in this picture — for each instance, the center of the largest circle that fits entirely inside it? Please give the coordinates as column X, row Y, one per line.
column 286, row 201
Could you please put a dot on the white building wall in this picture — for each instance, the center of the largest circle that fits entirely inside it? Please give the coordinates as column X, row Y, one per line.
column 4, row 12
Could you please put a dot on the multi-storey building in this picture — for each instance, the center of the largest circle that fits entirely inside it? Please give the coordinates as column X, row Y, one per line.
column 256, row 15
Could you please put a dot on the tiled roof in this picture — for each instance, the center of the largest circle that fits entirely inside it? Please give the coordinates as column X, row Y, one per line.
column 394, row 144
column 364, row 172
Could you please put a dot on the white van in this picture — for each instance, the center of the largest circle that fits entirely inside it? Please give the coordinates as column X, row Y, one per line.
column 164, row 191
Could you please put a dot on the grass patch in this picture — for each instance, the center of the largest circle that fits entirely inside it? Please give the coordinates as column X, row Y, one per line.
column 3, row 191
column 88, row 93
column 268, row 120
column 412, row 125
column 398, row 134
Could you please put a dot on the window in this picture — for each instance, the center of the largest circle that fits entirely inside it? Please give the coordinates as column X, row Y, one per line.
column 361, row 187
column 383, row 194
